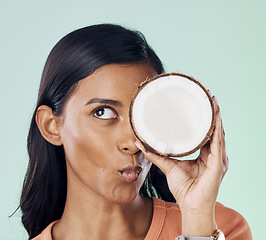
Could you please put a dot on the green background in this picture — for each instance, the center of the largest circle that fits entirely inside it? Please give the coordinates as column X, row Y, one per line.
column 220, row 43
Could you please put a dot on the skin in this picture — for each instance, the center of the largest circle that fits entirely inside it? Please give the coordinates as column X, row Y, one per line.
column 98, row 144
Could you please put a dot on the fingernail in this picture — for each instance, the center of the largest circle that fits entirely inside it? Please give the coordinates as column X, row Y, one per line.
column 138, row 145
column 215, row 99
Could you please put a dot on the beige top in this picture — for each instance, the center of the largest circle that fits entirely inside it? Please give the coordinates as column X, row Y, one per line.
column 166, row 223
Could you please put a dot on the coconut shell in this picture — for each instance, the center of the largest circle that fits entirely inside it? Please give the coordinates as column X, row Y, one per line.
column 141, row 138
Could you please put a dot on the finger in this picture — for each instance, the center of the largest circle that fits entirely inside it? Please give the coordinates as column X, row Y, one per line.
column 224, row 157
column 214, row 158
column 167, row 165
column 206, row 150
column 163, row 163
column 223, row 149
column 216, row 138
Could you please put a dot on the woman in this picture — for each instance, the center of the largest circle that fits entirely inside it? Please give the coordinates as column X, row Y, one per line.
column 88, row 177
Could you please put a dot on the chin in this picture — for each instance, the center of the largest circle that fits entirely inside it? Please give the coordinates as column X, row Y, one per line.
column 124, row 196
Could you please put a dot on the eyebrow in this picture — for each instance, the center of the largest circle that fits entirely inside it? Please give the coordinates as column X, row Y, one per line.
column 107, row 101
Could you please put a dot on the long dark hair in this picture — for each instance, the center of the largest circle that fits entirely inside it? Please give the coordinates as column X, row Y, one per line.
column 74, row 57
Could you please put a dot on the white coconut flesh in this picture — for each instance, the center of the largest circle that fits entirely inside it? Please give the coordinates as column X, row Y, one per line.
column 173, row 115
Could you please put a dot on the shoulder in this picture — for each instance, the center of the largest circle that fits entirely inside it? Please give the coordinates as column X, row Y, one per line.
column 46, row 233
column 166, row 222
column 232, row 223
column 168, row 207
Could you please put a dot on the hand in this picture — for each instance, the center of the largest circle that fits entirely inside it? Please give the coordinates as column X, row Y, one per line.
column 195, row 184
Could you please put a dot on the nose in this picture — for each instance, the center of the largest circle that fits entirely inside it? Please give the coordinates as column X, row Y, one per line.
column 127, row 138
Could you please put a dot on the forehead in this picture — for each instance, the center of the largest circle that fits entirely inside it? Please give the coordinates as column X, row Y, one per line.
column 114, row 81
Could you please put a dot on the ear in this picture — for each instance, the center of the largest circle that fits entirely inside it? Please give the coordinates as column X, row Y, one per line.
column 49, row 125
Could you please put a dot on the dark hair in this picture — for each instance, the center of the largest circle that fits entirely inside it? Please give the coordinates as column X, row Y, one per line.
column 74, row 57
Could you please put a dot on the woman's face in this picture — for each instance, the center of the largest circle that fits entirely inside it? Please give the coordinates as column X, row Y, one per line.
column 101, row 156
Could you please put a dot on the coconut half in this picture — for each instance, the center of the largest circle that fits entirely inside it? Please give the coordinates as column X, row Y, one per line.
column 172, row 115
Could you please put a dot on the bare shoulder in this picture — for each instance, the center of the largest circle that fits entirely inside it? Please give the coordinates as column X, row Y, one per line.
column 232, row 223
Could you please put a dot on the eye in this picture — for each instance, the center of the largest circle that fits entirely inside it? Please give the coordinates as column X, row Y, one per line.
column 104, row 113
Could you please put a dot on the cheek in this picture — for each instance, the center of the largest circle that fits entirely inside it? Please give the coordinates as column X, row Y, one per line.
column 90, row 154
column 93, row 159
column 87, row 163
column 85, row 143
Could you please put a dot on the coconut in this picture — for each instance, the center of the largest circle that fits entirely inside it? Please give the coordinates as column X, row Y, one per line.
column 172, row 115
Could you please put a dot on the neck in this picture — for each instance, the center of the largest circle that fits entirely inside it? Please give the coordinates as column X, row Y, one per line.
column 90, row 215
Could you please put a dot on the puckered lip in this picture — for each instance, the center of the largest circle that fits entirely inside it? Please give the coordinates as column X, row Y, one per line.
column 130, row 173
column 131, row 168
